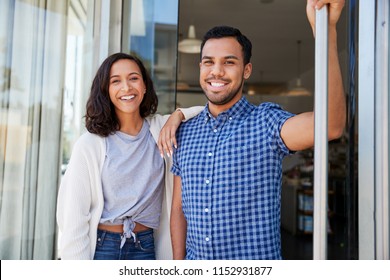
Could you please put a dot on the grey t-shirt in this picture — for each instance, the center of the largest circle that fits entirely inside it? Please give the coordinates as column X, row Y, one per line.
column 133, row 180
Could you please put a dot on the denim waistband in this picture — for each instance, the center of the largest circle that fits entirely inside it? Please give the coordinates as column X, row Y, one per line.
column 119, row 235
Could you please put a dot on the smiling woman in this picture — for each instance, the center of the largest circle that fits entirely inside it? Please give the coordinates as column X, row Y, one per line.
column 111, row 196
column 127, row 91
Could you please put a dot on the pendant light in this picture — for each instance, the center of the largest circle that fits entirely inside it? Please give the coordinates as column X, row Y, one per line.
column 298, row 89
column 190, row 44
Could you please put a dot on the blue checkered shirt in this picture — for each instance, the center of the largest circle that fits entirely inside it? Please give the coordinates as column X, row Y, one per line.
column 231, row 169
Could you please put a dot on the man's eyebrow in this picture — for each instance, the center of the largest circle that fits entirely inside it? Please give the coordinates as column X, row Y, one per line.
column 207, row 57
column 226, row 57
column 231, row 57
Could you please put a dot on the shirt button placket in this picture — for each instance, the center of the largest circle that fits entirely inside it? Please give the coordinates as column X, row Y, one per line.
column 207, row 237
column 207, row 218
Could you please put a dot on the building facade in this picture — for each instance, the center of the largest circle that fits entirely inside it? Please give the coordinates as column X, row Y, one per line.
column 49, row 52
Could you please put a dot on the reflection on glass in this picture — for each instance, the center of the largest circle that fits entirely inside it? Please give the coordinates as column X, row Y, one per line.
column 32, row 56
column 78, row 73
column 152, row 36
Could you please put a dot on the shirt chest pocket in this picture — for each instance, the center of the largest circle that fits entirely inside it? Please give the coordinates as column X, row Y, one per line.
column 241, row 160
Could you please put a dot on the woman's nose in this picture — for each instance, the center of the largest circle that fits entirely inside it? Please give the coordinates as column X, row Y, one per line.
column 126, row 87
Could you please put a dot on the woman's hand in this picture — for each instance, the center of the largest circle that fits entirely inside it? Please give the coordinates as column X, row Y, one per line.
column 167, row 137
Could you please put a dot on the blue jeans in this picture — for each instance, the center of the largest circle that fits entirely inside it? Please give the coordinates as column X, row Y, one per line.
column 108, row 246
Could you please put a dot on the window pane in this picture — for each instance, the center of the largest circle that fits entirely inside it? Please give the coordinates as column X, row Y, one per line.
column 31, row 59
column 152, row 36
column 78, row 72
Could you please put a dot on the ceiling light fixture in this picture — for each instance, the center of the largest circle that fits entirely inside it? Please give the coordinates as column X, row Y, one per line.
column 298, row 89
column 191, row 44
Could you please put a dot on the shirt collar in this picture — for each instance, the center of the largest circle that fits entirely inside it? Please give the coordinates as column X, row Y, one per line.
column 233, row 112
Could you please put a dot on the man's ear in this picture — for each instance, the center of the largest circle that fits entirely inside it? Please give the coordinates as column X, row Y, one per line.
column 247, row 70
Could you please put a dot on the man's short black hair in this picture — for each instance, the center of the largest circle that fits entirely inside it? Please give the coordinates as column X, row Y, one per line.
column 218, row 32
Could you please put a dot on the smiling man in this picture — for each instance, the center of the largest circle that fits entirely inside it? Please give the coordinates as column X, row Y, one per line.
column 228, row 167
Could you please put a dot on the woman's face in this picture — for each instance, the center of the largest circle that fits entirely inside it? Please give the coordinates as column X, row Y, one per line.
column 126, row 87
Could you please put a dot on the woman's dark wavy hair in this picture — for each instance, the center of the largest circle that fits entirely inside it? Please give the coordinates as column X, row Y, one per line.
column 219, row 32
column 101, row 118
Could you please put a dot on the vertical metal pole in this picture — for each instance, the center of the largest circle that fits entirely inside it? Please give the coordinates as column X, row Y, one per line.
column 321, row 137
column 366, row 123
column 382, row 131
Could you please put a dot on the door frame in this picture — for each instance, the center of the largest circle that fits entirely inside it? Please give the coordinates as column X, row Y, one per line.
column 373, row 129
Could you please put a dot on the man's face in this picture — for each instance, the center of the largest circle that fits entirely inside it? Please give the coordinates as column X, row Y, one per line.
column 222, row 72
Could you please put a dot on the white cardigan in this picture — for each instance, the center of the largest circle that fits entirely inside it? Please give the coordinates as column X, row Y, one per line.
column 80, row 198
